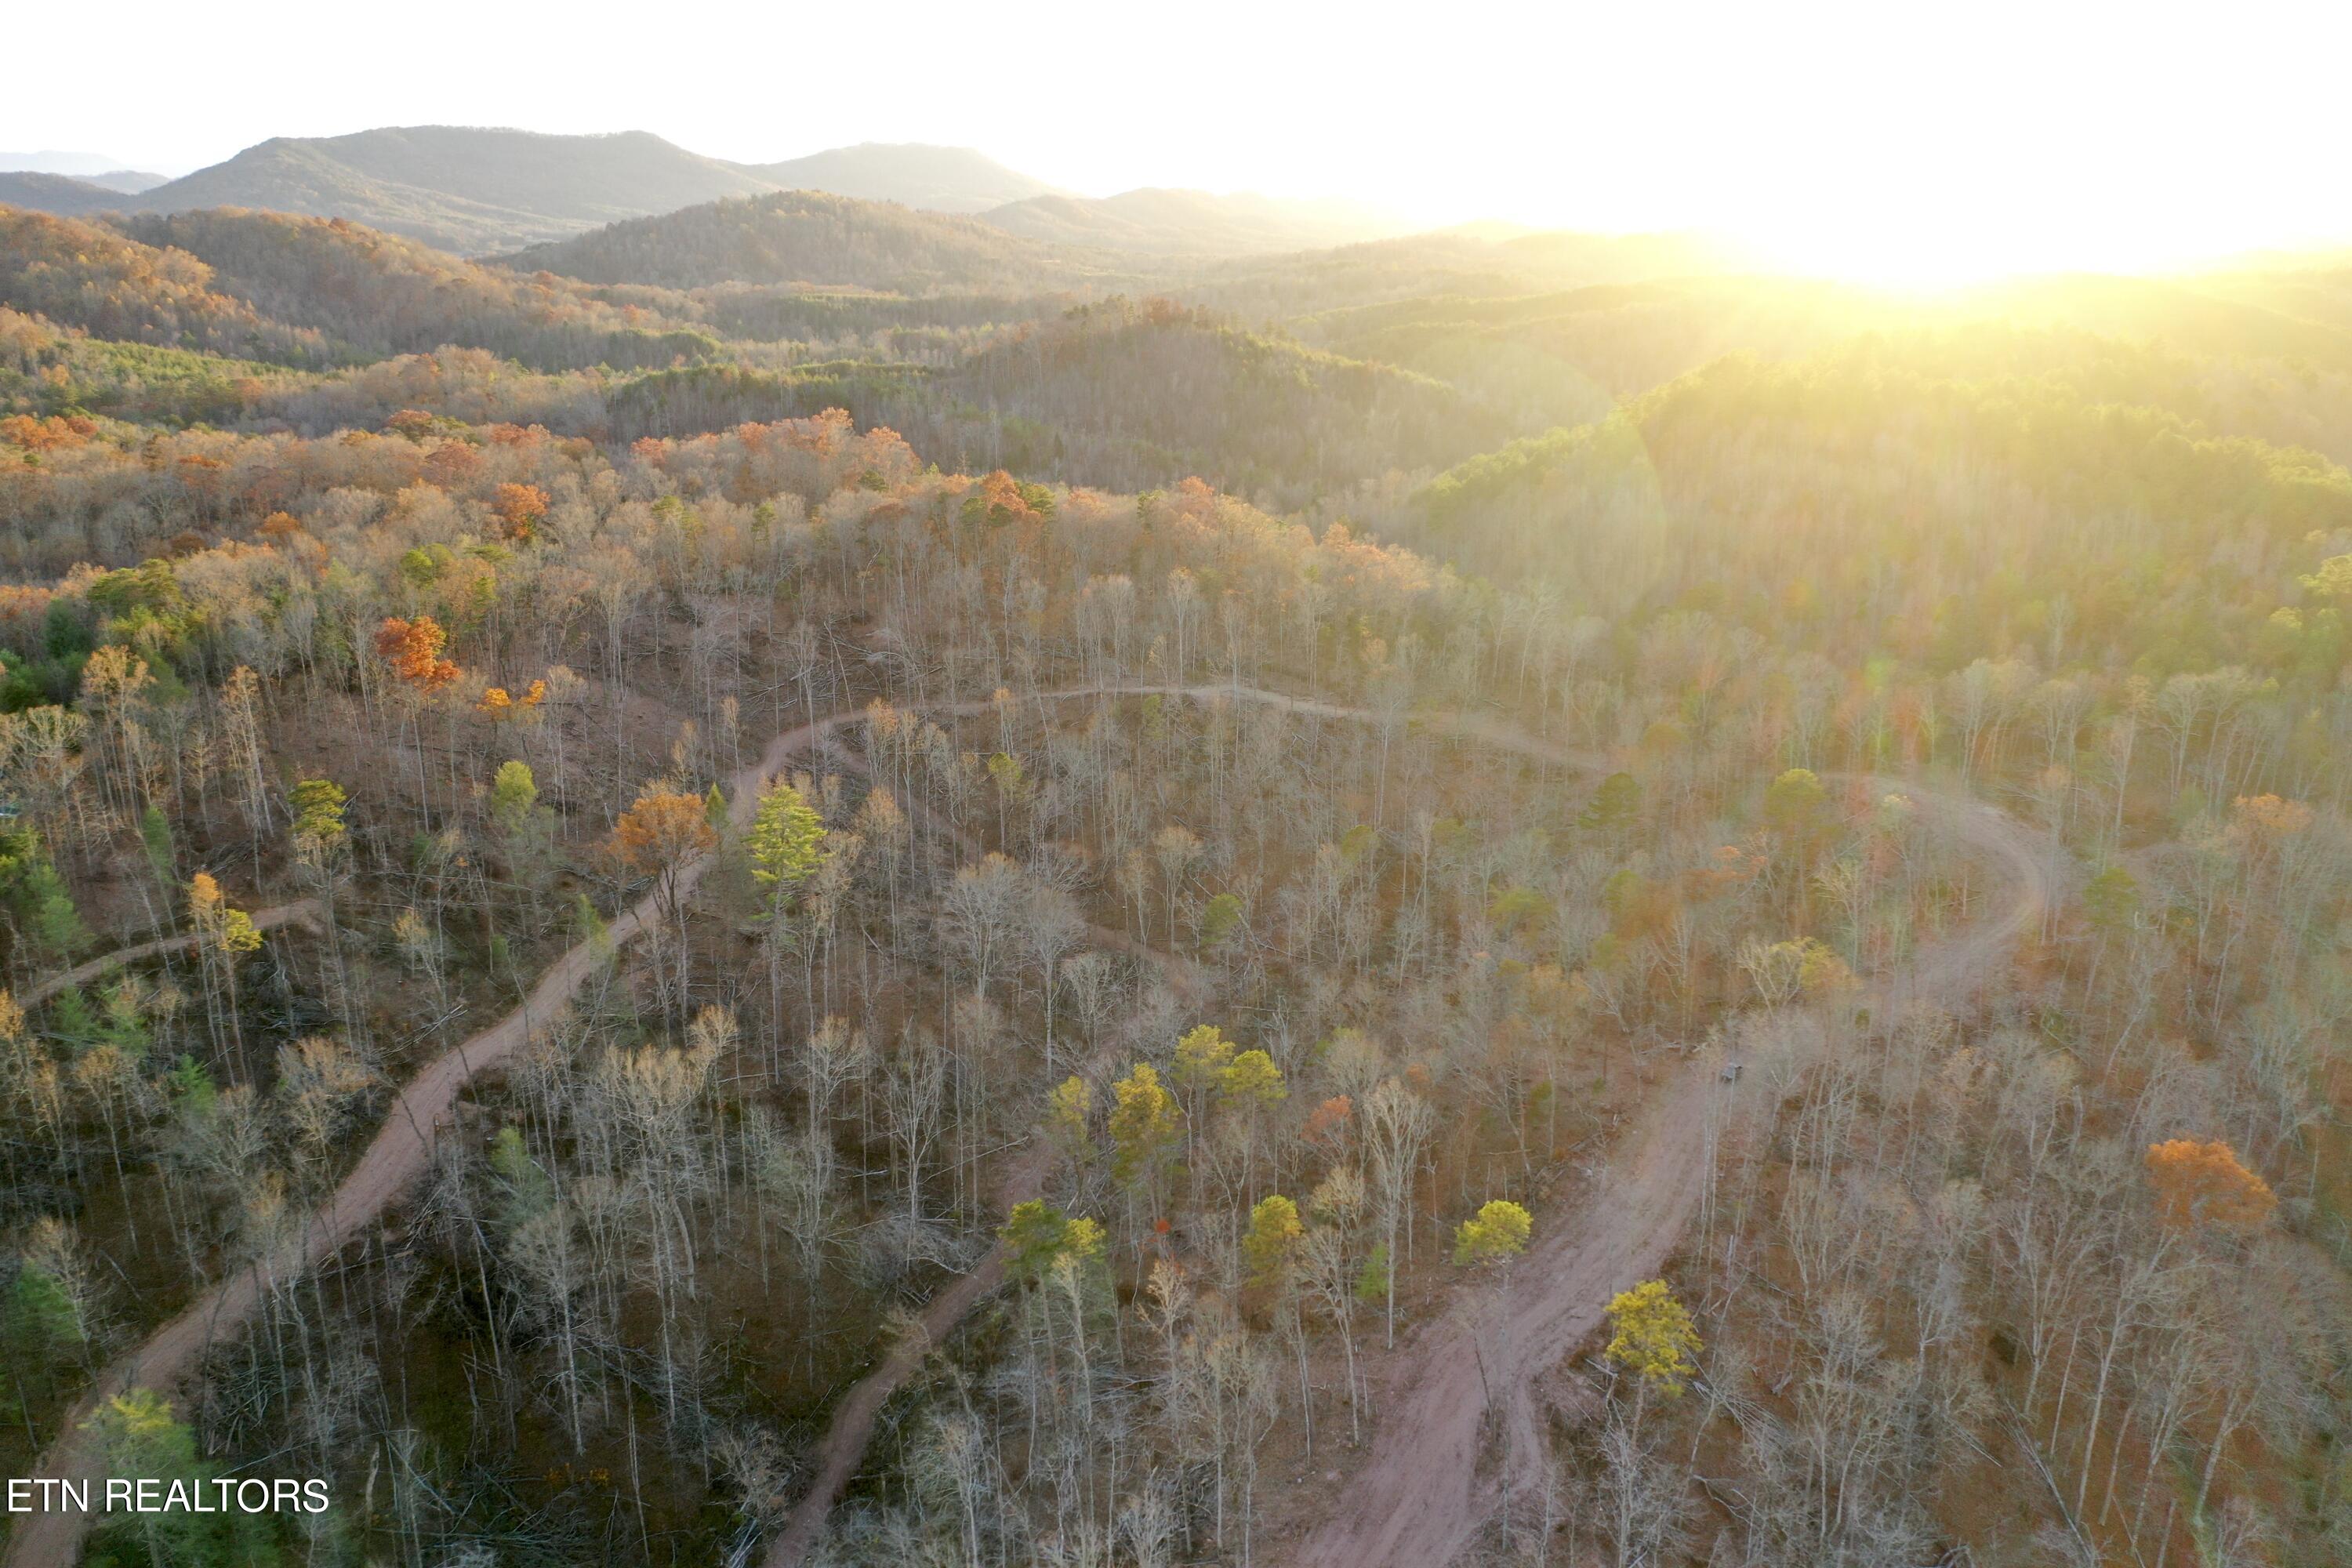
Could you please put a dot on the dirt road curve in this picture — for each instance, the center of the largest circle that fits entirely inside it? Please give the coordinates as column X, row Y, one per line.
column 843, row 1448
column 1412, row 1502
column 851, row 1427
column 395, row 1157
column 301, row 911
column 1417, row 1500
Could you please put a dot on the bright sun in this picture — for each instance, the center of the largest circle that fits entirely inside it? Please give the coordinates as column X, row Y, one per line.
column 1889, row 246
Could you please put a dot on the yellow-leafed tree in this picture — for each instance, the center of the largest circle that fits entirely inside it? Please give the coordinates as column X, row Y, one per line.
column 1497, row 1233
column 1652, row 1335
column 1144, row 1125
column 1273, row 1237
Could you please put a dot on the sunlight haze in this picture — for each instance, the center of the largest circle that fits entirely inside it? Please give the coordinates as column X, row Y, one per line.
column 1236, row 785
column 1903, row 145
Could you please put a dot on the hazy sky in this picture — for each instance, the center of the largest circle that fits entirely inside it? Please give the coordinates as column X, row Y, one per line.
column 1888, row 134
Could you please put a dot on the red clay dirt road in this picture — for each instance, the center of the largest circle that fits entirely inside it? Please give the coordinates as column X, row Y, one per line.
column 1435, row 1508
column 1416, row 1501
column 843, row 1448
column 394, row 1158
column 396, row 1155
column 301, row 911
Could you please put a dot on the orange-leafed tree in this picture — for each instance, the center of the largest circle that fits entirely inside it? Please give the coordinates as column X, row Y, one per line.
column 420, row 672
column 414, row 650
column 499, row 703
column 2201, row 1182
column 660, row 833
column 1001, row 499
column 2266, row 818
column 45, row 435
column 519, row 508
column 1329, row 1122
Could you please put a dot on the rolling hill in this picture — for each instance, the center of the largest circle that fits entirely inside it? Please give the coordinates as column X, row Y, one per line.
column 1744, row 461
column 298, row 177
column 60, row 194
column 130, row 181
column 460, row 188
column 1142, row 395
column 1421, row 272
column 381, row 293
column 1193, row 222
column 476, row 191
column 480, row 191
column 936, row 179
column 805, row 236
column 88, row 276
column 2213, row 350
column 97, row 168
column 311, row 293
column 102, row 169
column 1116, row 394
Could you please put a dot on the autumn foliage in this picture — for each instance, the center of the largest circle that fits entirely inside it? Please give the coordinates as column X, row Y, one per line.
column 413, row 648
column 2202, row 1182
column 518, row 508
column 1466, row 958
column 497, row 703
column 1651, row 1336
column 661, row 830
column 45, row 435
column 1004, row 500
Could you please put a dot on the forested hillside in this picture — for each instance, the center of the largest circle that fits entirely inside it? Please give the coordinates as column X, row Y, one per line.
column 96, row 168
column 457, row 187
column 93, row 276
column 803, row 237
column 380, row 294
column 802, row 883
column 480, row 191
column 57, row 193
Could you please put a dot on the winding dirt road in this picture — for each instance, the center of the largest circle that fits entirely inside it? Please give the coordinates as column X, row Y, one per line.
column 398, row 1153
column 1416, row 1501
column 395, row 1157
column 301, row 911
column 843, row 1448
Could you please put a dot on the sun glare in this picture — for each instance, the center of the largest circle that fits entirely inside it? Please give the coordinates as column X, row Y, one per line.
column 1927, row 252
column 994, row 663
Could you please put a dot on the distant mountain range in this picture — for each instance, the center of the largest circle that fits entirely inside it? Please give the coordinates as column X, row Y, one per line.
column 935, row 179
column 477, row 192
column 59, row 194
column 71, row 184
column 461, row 189
column 99, row 169
column 1193, row 223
